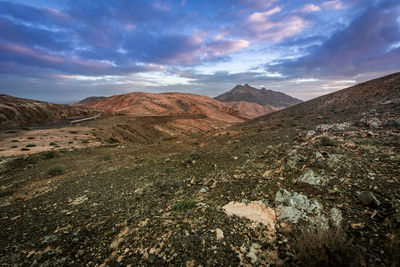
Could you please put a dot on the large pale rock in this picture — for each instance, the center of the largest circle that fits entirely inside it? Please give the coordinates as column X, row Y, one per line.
column 255, row 211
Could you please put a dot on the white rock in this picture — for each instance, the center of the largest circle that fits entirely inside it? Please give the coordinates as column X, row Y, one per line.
column 310, row 134
column 309, row 177
column 220, row 234
column 336, row 217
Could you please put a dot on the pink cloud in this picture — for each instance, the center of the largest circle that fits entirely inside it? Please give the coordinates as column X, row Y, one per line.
column 259, row 17
column 310, row 8
column 223, row 47
column 275, row 31
column 335, row 4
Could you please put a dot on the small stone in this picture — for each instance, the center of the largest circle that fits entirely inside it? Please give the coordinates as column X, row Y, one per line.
column 267, row 174
column 368, row 198
column 235, row 158
column 220, row 234
column 310, row 134
column 203, row 190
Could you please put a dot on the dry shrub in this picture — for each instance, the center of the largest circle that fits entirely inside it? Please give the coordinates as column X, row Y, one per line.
column 324, row 247
column 393, row 249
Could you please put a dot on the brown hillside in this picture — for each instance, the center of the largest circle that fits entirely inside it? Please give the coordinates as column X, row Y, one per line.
column 147, row 104
column 251, row 110
column 19, row 112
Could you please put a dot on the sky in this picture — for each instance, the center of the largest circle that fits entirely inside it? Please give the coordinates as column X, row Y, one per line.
column 65, row 50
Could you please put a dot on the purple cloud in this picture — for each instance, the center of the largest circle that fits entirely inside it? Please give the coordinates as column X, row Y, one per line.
column 366, row 44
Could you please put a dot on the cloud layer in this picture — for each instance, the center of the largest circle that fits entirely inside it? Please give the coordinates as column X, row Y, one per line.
column 195, row 46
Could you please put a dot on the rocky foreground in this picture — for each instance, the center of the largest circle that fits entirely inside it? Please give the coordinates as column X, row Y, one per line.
column 309, row 197
column 298, row 187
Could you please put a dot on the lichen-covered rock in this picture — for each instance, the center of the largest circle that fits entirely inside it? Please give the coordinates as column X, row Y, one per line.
column 310, row 177
column 334, row 127
column 336, row 217
column 295, row 206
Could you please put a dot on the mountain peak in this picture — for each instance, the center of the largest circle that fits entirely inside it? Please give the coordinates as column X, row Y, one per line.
column 262, row 96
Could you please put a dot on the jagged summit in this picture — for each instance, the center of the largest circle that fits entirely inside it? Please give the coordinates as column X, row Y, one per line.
column 262, row 96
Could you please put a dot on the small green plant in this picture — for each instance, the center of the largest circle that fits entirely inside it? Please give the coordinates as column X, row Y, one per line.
column 14, row 141
column 73, row 132
column 169, row 170
column 107, row 157
column 25, row 149
column 31, row 137
column 50, row 154
column 85, row 141
column 56, row 170
column 14, row 146
column 108, row 233
column 326, row 141
column 52, row 144
column 194, row 156
column 30, row 145
column 112, row 140
column 185, row 204
column 70, row 142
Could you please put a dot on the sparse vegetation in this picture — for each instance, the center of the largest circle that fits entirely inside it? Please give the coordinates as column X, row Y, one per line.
column 56, row 170
column 112, row 140
column 185, row 204
column 324, row 247
column 50, row 154
column 52, row 144
column 4, row 193
column 14, row 141
column 25, row 149
column 73, row 132
column 169, row 170
column 107, row 157
column 14, row 147
column 31, row 138
column 326, row 141
column 30, row 145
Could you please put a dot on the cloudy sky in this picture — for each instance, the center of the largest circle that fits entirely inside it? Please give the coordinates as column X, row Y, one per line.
column 65, row 50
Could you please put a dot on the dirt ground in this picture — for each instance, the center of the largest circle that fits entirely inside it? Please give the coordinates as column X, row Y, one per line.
column 24, row 142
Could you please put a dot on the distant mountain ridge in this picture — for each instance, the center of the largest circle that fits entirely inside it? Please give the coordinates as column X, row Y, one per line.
column 90, row 99
column 262, row 97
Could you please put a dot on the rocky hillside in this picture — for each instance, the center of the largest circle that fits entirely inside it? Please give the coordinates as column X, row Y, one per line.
column 18, row 112
column 89, row 100
column 147, row 104
column 374, row 102
column 251, row 110
column 262, row 97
